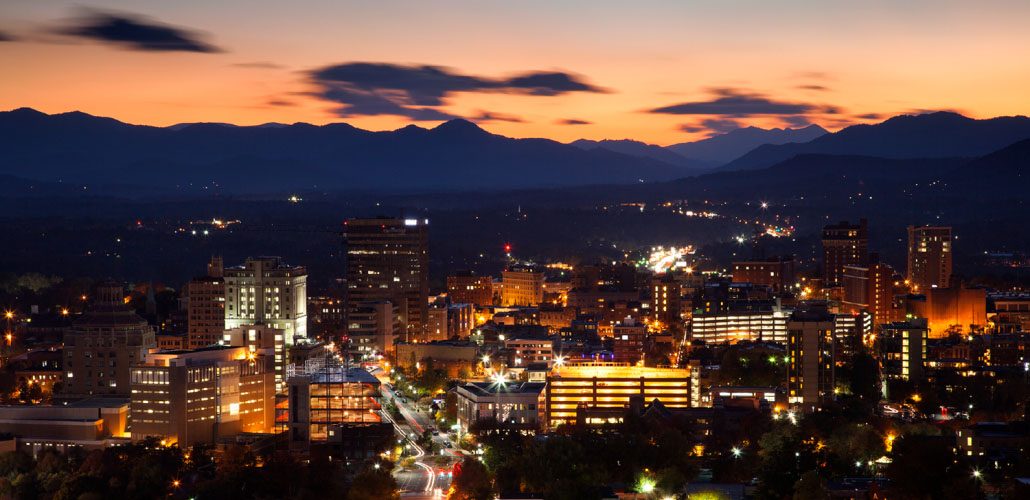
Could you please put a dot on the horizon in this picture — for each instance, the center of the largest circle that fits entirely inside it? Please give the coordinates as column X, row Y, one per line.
column 675, row 73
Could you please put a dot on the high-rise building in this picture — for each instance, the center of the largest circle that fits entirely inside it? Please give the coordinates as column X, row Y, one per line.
column 844, row 244
column 628, row 340
column 666, row 301
column 870, row 288
column 373, row 328
column 522, row 286
column 777, row 273
column 467, row 288
column 929, row 256
column 265, row 340
column 387, row 260
column 103, row 344
column 197, row 396
column 267, row 291
column 205, row 306
column 810, row 347
column 902, row 348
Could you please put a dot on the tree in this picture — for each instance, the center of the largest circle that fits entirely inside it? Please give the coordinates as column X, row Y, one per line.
column 373, row 484
column 472, row 481
column 865, row 376
column 810, row 487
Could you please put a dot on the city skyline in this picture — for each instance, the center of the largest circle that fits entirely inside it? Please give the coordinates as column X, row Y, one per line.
column 663, row 74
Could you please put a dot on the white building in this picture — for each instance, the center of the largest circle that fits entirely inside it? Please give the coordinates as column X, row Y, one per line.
column 512, row 403
column 266, row 291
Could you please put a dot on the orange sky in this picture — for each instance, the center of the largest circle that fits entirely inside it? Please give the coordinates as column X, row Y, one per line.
column 879, row 58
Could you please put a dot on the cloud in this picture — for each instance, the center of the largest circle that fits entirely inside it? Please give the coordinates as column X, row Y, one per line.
column 279, row 102
column 489, row 116
column 259, row 65
column 869, row 116
column 6, row 37
column 712, row 126
column 136, row 33
column 817, row 88
column 414, row 91
column 573, row 121
column 742, row 103
column 795, row 121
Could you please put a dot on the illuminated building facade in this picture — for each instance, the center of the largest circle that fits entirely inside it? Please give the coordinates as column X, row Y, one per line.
column 328, row 401
column 955, row 309
column 844, row 244
column 870, row 288
column 267, row 291
column 372, row 328
column 103, row 344
column 810, row 347
column 902, row 349
column 469, row 288
column 765, row 321
column 197, row 396
column 929, row 256
column 387, row 259
column 609, row 386
column 777, row 273
column 523, row 351
column 264, row 340
column 666, row 302
column 205, row 307
column 628, row 340
column 522, row 286
column 517, row 404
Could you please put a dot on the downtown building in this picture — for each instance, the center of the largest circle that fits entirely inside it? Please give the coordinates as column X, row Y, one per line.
column 267, row 291
column 387, row 260
column 811, row 365
column 522, row 286
column 929, row 256
column 901, row 347
column 469, row 288
column 201, row 395
column 844, row 244
column 738, row 321
column 205, row 306
column 103, row 344
column 871, row 288
column 777, row 273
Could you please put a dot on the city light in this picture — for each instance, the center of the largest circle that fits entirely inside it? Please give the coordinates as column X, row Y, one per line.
column 646, row 485
column 737, row 452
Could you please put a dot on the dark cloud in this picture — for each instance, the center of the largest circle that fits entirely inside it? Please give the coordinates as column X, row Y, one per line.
column 712, row 126
column 489, row 116
column 795, row 121
column 742, row 103
column 817, row 88
column 6, row 37
column 279, row 102
column 259, row 65
column 414, row 91
column 573, row 121
column 136, row 32
column 869, row 116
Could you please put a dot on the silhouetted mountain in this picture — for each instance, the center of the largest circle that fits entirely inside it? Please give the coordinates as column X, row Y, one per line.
column 637, row 148
column 720, row 149
column 77, row 147
column 934, row 135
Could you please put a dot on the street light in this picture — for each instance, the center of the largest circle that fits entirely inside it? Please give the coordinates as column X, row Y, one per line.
column 737, row 452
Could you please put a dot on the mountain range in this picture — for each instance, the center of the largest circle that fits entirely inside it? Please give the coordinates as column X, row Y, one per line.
column 80, row 149
column 933, row 135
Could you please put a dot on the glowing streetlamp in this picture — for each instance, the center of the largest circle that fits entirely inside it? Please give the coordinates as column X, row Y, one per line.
column 737, row 452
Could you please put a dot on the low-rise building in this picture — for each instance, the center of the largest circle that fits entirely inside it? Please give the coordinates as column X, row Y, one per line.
column 88, row 424
column 516, row 404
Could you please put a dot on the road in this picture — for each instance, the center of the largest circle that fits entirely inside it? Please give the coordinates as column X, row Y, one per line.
column 428, row 477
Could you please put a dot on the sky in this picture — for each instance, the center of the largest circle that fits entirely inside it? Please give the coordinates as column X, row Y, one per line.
column 661, row 72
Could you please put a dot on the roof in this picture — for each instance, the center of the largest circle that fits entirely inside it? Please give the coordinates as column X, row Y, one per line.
column 490, row 388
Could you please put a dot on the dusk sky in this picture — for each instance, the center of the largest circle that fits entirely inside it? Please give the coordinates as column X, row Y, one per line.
column 663, row 72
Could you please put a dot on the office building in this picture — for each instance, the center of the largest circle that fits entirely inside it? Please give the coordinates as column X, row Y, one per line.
column 666, row 301
column 870, row 288
column 261, row 339
column 599, row 392
column 850, row 330
column 522, row 286
column 198, row 396
column 628, row 340
column 956, row 309
column 902, row 349
column 467, row 287
column 524, row 351
column 776, row 273
column 267, row 291
column 810, row 348
column 929, row 256
column 844, row 244
column 205, row 306
column 103, row 344
column 373, row 327
column 387, row 260
column 516, row 404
